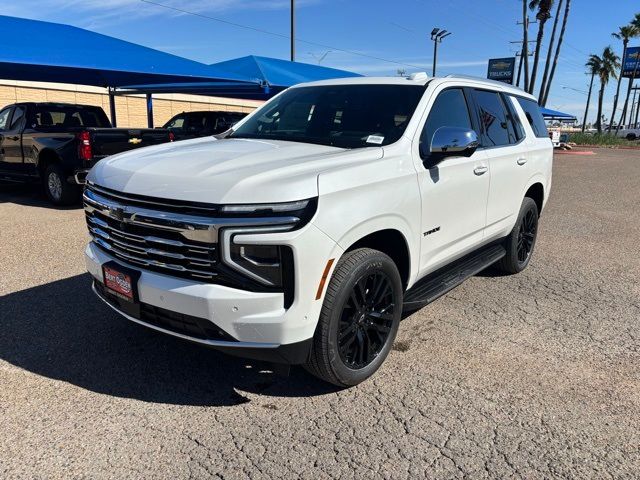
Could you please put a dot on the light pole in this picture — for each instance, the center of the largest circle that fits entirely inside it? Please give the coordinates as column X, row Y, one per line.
column 437, row 36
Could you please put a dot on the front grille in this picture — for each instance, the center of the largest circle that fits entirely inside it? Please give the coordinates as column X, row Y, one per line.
column 181, row 238
column 189, row 325
column 151, row 239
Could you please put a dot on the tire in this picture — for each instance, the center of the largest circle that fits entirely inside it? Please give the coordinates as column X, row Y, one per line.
column 363, row 305
column 522, row 239
column 631, row 136
column 56, row 187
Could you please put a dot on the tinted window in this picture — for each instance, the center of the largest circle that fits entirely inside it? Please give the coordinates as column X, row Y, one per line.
column 176, row 122
column 348, row 116
column 449, row 110
column 532, row 111
column 196, row 120
column 4, row 117
column 62, row 116
column 515, row 124
column 16, row 119
column 496, row 128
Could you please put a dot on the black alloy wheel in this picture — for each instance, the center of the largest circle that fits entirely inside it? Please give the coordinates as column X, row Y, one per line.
column 520, row 243
column 366, row 320
column 527, row 235
column 359, row 319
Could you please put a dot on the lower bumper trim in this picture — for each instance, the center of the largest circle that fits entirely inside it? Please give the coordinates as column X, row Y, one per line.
column 211, row 343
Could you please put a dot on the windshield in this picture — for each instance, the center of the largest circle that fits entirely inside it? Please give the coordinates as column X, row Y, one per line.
column 347, row 116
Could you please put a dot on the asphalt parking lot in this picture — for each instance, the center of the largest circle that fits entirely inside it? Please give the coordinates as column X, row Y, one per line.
column 528, row 376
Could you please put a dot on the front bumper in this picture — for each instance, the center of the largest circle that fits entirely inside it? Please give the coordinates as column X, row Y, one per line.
column 256, row 322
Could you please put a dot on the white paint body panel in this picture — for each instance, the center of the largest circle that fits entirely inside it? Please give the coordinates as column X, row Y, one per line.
column 359, row 192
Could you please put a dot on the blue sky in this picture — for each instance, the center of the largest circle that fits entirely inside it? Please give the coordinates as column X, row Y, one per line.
column 396, row 31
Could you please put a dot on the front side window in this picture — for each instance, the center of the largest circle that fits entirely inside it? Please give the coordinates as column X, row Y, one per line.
column 176, row 122
column 534, row 116
column 449, row 110
column 347, row 116
column 16, row 119
column 497, row 129
column 4, row 118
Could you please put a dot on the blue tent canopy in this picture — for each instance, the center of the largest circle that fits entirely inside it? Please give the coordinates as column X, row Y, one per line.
column 280, row 73
column 548, row 114
column 265, row 76
column 50, row 52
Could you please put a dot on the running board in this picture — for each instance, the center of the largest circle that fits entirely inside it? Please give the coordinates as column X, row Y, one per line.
column 447, row 278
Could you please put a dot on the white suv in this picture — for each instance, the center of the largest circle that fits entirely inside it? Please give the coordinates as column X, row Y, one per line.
column 301, row 235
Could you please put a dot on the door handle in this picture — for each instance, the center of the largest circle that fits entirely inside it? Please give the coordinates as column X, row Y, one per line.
column 480, row 170
column 521, row 161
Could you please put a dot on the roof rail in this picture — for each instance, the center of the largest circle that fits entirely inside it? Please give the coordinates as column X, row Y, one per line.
column 472, row 77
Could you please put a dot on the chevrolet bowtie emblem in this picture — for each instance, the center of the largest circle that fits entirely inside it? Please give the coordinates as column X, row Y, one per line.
column 117, row 213
column 135, row 141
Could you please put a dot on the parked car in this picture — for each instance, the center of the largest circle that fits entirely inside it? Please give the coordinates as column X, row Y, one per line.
column 629, row 133
column 201, row 124
column 303, row 234
column 58, row 143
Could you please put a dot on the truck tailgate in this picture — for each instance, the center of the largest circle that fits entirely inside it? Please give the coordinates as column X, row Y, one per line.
column 109, row 141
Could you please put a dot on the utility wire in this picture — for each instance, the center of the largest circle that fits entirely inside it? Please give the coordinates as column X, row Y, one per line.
column 275, row 34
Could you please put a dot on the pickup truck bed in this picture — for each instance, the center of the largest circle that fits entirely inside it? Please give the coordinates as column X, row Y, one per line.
column 59, row 143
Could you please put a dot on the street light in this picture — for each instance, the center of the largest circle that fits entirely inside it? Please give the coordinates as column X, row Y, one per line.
column 437, row 36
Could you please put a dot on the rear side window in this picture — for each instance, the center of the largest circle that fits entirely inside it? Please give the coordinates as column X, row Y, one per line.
column 497, row 129
column 61, row 116
column 449, row 110
column 534, row 116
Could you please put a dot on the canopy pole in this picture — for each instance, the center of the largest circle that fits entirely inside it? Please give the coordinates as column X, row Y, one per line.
column 149, row 111
column 112, row 106
column 293, row 31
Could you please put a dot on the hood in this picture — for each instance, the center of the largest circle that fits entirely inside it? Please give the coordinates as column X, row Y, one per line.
column 226, row 171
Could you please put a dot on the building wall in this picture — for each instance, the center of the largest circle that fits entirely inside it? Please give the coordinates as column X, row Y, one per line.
column 131, row 110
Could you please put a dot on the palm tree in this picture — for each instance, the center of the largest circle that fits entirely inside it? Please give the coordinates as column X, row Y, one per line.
column 624, row 33
column 593, row 64
column 557, row 55
column 544, row 14
column 636, row 24
column 547, row 65
column 609, row 65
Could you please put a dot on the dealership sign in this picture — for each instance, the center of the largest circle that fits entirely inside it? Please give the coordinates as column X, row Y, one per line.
column 631, row 63
column 501, row 69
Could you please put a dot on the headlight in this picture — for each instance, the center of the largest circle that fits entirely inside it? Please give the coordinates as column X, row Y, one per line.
column 266, row 264
column 267, row 207
column 261, row 262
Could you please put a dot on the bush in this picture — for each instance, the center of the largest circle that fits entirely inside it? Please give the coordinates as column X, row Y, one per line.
column 601, row 139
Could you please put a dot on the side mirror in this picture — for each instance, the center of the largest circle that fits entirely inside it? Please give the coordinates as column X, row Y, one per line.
column 452, row 142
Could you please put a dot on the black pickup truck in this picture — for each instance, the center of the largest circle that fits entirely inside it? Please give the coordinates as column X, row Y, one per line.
column 58, row 143
column 201, row 124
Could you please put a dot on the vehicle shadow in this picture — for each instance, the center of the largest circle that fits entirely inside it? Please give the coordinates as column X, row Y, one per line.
column 30, row 195
column 62, row 331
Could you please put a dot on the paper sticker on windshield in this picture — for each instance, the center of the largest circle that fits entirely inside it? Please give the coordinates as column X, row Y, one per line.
column 377, row 139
